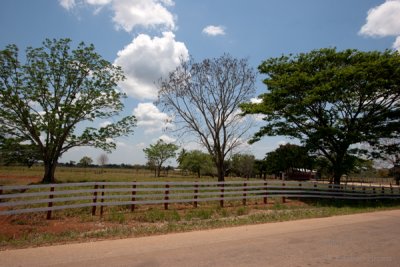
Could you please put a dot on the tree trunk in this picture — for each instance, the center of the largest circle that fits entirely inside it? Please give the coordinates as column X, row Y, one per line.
column 158, row 171
column 221, row 171
column 336, row 177
column 49, row 170
column 337, row 172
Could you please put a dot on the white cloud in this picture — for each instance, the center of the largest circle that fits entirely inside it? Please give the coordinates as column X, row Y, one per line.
column 141, row 145
column 396, row 44
column 166, row 139
column 151, row 118
column 145, row 60
column 383, row 20
column 256, row 100
column 129, row 14
column 105, row 123
column 67, row 4
column 121, row 144
column 214, row 30
column 146, row 13
column 98, row 2
column 282, row 143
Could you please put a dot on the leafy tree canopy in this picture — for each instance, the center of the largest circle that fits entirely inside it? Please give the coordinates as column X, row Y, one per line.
column 13, row 150
column 243, row 164
column 45, row 97
column 286, row 157
column 159, row 152
column 85, row 161
column 330, row 100
column 196, row 161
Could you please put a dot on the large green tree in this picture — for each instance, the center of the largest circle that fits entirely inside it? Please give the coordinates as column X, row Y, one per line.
column 160, row 152
column 44, row 97
column 331, row 100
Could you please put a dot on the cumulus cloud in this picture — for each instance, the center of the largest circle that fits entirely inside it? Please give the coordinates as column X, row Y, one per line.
column 146, row 13
column 151, row 118
column 166, row 139
column 98, row 2
column 282, row 143
column 383, row 20
column 256, row 100
column 140, row 146
column 105, row 123
column 129, row 14
column 396, row 44
column 67, row 4
column 145, row 60
column 214, row 30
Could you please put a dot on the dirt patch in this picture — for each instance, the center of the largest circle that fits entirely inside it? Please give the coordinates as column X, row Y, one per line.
column 18, row 226
column 27, row 230
column 19, row 179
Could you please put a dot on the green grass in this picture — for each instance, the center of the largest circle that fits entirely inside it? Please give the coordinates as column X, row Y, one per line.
column 155, row 221
column 76, row 174
column 119, row 222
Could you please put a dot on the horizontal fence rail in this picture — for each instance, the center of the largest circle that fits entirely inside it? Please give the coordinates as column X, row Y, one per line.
column 51, row 197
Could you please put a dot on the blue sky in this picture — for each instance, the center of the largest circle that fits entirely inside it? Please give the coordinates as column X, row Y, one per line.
column 147, row 37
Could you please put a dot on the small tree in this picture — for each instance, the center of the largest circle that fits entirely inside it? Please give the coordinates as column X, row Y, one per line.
column 197, row 162
column 243, row 165
column 102, row 160
column 85, row 162
column 43, row 99
column 160, row 152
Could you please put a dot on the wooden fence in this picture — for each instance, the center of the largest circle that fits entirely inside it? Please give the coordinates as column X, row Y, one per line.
column 97, row 195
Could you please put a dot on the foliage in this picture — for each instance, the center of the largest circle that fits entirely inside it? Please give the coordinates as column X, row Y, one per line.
column 158, row 153
column 12, row 150
column 330, row 100
column 53, row 90
column 197, row 162
column 287, row 157
column 85, row 161
column 204, row 98
column 386, row 152
column 243, row 165
column 260, row 167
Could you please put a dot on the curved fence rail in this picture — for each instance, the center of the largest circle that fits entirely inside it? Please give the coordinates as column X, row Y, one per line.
column 52, row 197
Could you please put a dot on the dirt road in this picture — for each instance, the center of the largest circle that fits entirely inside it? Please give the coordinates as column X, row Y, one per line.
column 371, row 239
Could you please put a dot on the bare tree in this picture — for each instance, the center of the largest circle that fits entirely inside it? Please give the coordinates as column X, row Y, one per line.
column 102, row 160
column 204, row 99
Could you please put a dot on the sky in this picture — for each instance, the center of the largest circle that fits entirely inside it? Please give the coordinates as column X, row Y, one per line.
column 147, row 38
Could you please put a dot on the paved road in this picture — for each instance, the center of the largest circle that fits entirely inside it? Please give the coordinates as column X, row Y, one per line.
column 370, row 239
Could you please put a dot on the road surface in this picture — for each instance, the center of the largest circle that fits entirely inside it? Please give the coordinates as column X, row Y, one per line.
column 370, row 239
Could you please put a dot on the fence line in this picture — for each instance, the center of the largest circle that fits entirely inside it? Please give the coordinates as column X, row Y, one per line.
column 51, row 197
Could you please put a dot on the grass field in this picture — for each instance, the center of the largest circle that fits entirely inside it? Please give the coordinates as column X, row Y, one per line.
column 20, row 175
column 77, row 225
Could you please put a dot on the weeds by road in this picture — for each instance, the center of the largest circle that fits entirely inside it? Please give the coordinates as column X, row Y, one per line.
column 32, row 230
